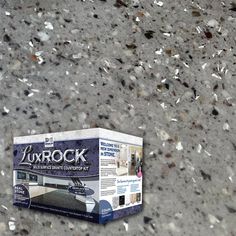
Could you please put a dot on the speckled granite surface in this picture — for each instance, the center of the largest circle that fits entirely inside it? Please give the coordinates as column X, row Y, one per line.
column 164, row 70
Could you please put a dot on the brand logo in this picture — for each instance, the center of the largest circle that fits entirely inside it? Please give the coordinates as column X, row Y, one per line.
column 70, row 156
column 49, row 142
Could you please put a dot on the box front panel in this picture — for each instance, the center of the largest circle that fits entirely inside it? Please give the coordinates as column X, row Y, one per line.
column 60, row 177
column 120, row 179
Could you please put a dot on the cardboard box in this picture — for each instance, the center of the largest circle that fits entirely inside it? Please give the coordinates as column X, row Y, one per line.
column 91, row 174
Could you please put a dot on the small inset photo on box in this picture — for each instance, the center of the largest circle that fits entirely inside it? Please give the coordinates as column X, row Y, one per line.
column 122, row 200
column 122, row 161
column 138, row 197
column 135, row 161
column 133, row 198
column 127, row 200
column 115, row 202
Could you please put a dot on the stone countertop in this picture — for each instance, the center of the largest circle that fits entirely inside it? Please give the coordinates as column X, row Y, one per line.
column 164, row 70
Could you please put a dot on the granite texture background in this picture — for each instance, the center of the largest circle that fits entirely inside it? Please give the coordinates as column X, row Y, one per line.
column 164, row 70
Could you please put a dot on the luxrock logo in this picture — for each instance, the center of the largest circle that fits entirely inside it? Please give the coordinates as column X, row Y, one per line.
column 71, row 156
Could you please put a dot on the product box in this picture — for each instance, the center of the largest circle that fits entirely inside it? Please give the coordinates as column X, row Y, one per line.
column 91, row 174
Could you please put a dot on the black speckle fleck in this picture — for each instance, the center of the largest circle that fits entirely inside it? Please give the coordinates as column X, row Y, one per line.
column 123, row 82
column 215, row 112
column 147, row 219
column 4, row 113
column 231, row 209
column 6, row 38
column 120, row 3
column 33, row 116
column 149, row 34
column 208, row 34
column 26, row 92
column 205, row 176
column 131, row 46
column 185, row 85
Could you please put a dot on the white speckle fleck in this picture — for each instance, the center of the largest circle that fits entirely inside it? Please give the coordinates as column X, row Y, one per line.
column 216, row 76
column 163, row 106
column 199, row 30
column 178, row 215
column 31, row 131
column 151, row 153
column 40, row 14
column 199, row 148
column 138, row 70
column 74, row 31
column 30, row 94
column 35, row 90
column 177, row 101
column 177, row 56
column 142, row 127
column 176, row 71
column 12, row 225
column 212, row 23
column 31, row 44
column 6, row 110
column 226, row 126
column 185, row 64
column 70, row 225
column 77, row 55
column 4, row 207
column 40, row 60
column 126, row 225
column 38, row 53
column 2, row 173
column 159, row 52
column 204, row 66
column 167, row 34
column 213, row 220
column 48, row 25
column 82, row 117
column 132, row 77
column 208, row 154
column 43, row 36
column 7, row 13
column 215, row 97
column 179, row 146
column 162, row 134
column 158, row 3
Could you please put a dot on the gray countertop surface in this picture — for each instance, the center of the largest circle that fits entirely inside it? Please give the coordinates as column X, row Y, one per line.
column 164, row 70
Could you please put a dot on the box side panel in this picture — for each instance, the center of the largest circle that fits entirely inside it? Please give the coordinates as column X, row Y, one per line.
column 120, row 179
column 58, row 176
